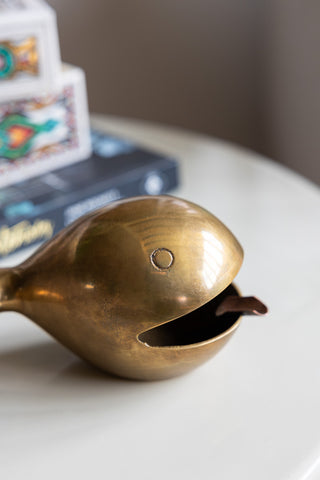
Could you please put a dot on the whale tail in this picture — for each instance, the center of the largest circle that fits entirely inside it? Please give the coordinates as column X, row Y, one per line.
column 9, row 284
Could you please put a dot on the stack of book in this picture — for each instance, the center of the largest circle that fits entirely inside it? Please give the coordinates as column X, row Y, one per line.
column 52, row 168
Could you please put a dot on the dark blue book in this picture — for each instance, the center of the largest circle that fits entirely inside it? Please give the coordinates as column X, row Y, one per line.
column 35, row 209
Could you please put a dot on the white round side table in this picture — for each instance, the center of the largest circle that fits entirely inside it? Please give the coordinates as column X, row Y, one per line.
column 250, row 413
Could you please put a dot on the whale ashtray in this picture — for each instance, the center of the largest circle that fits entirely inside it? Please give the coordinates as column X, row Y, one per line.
column 141, row 288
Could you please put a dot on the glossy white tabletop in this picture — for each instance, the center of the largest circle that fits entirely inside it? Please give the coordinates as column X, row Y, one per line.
column 252, row 412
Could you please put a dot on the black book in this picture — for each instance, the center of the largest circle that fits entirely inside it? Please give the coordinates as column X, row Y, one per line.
column 35, row 209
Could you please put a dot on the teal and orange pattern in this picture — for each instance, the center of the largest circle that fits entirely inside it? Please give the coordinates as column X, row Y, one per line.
column 17, row 134
column 18, row 58
column 37, row 128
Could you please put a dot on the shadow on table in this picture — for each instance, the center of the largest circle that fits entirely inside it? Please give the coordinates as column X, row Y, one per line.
column 46, row 383
column 47, row 358
column 56, row 373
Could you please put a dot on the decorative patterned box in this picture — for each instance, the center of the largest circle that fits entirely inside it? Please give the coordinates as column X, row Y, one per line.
column 46, row 131
column 29, row 48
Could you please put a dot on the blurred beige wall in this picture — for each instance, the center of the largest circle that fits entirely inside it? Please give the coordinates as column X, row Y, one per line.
column 246, row 71
column 290, row 84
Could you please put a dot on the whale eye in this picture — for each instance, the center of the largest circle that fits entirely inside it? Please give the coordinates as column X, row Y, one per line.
column 162, row 258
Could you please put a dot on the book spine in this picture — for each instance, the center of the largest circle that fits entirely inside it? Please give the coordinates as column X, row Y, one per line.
column 28, row 231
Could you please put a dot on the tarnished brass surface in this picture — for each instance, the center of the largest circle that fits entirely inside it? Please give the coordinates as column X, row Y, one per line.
column 103, row 285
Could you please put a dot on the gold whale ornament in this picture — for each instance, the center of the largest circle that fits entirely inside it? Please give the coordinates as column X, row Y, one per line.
column 141, row 288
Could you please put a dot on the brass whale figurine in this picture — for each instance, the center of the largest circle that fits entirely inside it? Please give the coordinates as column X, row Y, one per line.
column 141, row 288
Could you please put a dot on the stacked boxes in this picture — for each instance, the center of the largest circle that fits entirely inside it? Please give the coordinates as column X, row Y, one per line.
column 43, row 107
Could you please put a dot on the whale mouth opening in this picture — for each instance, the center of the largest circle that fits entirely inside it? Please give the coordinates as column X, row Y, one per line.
column 197, row 326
